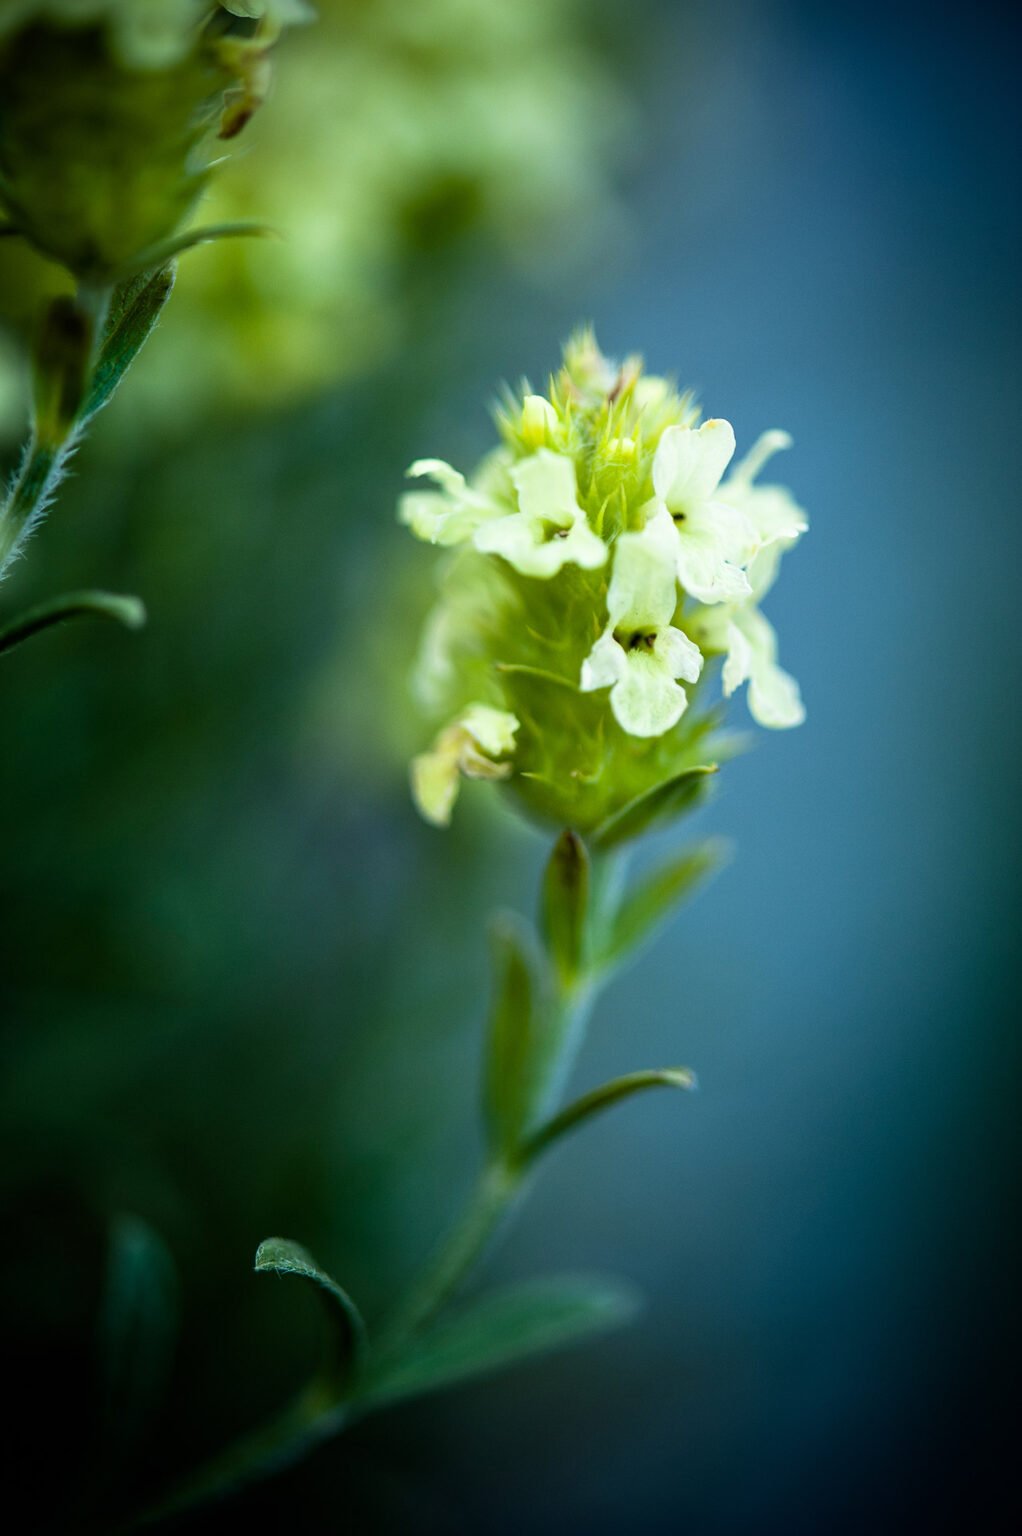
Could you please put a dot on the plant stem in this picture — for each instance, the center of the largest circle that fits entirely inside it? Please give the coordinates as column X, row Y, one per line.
column 40, row 473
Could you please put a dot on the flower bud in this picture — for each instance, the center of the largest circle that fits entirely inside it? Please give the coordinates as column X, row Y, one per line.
column 104, row 110
column 598, row 558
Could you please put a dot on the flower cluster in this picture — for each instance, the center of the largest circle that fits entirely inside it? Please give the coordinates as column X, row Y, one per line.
column 104, row 108
column 600, row 555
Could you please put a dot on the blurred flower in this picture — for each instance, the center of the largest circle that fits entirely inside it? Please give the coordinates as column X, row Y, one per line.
column 396, row 129
column 595, row 558
column 105, row 106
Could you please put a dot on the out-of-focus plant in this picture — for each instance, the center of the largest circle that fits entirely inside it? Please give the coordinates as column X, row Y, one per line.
column 600, row 558
column 107, row 110
column 395, row 129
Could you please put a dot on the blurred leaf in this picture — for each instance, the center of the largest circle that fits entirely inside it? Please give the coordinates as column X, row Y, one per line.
column 279, row 1256
column 653, row 899
column 129, row 611
column 516, row 1023
column 594, row 1103
column 137, row 1329
column 167, row 250
column 501, row 1328
column 565, row 905
column 657, row 805
column 135, row 308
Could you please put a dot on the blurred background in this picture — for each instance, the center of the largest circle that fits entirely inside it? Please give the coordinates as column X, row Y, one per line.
column 243, row 985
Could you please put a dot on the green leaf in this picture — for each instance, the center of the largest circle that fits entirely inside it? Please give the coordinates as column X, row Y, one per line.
column 594, row 1103
column 650, row 903
column 129, row 611
column 497, row 1330
column 565, row 906
column 279, row 1256
column 167, row 250
column 135, row 307
column 516, row 1025
column 656, row 806
column 138, row 1328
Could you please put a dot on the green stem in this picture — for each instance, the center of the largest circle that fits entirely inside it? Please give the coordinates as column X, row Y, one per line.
column 40, row 473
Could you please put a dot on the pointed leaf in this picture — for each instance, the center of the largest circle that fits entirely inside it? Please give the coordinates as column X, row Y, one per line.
column 135, row 308
column 279, row 1256
column 565, row 905
column 137, row 1332
column 650, row 903
column 167, row 250
column 129, row 611
column 499, row 1329
column 656, row 806
column 515, row 1027
column 594, row 1103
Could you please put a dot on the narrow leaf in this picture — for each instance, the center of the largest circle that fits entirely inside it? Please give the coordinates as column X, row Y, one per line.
column 499, row 1329
column 565, row 905
column 655, row 897
column 129, row 611
column 279, row 1256
column 137, row 1331
column 515, row 1024
column 135, row 308
column 159, row 255
column 594, row 1103
column 654, row 807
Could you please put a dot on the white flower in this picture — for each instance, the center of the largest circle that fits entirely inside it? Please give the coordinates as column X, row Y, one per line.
column 449, row 515
column 640, row 654
column 467, row 746
column 714, row 538
column 775, row 516
column 739, row 630
column 550, row 529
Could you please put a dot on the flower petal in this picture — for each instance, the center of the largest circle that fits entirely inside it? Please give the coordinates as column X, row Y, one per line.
column 706, row 574
column 774, row 699
column 604, row 666
column 647, row 701
column 643, row 590
column 680, row 655
column 689, row 463
column 525, row 542
column 435, row 783
column 546, row 487
column 764, row 448
column 492, row 729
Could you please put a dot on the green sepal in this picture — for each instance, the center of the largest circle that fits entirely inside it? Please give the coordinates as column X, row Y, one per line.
column 656, row 806
column 499, row 1329
column 135, row 307
column 138, row 1329
column 652, row 900
column 566, row 906
column 599, row 1099
column 129, row 611
column 280, row 1256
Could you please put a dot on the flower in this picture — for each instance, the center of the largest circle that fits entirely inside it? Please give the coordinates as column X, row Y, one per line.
column 714, row 539
column 550, row 529
column 640, row 653
column 592, row 561
column 739, row 630
column 469, row 746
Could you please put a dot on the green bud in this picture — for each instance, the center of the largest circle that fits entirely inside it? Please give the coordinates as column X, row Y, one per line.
column 105, row 110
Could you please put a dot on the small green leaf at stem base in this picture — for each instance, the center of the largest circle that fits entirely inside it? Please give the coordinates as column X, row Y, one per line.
column 135, row 308
column 516, row 1026
column 498, row 1330
column 129, row 611
column 280, row 1256
column 656, row 806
